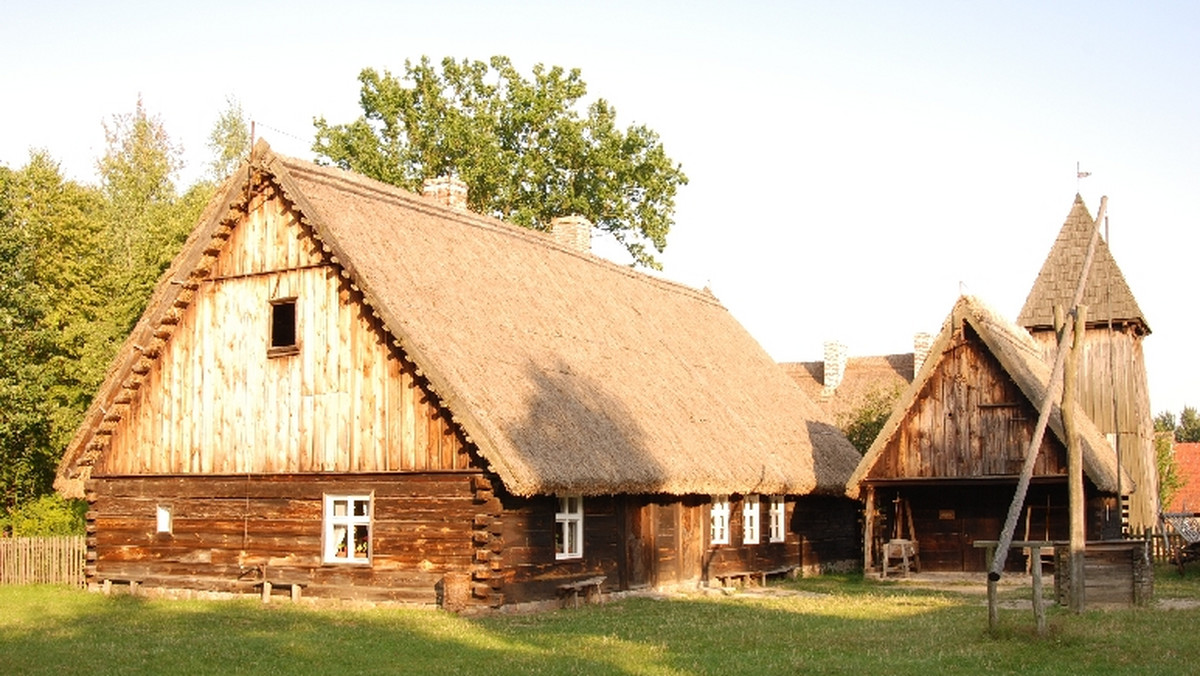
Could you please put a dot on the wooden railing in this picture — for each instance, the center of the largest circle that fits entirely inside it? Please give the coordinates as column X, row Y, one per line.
column 43, row 560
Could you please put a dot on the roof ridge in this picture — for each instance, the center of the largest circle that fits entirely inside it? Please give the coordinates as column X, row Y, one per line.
column 373, row 188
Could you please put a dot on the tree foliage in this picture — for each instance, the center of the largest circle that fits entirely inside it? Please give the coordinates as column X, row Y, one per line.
column 229, row 140
column 1188, row 430
column 522, row 146
column 864, row 424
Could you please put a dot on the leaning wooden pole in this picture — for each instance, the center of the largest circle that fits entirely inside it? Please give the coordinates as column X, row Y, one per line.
column 1047, row 404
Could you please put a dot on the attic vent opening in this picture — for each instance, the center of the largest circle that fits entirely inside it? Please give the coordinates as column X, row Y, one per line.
column 283, row 328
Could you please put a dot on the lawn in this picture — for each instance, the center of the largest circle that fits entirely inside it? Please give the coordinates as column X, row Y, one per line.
column 824, row 625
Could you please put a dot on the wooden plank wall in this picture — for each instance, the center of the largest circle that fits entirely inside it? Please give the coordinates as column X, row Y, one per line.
column 1113, row 361
column 970, row 420
column 424, row 527
column 215, row 403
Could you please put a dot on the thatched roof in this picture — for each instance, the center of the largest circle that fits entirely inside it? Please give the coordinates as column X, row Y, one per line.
column 569, row 373
column 1107, row 295
column 1021, row 358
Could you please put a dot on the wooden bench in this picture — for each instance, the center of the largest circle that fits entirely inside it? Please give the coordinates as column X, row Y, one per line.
column 591, row 588
column 745, row 576
column 267, row 585
column 108, row 583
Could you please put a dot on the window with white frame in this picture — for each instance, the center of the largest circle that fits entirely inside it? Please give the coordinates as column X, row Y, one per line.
column 568, row 528
column 719, row 520
column 751, row 524
column 347, row 529
column 162, row 518
column 777, row 513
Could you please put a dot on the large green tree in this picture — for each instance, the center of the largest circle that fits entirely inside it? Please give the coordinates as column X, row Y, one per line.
column 522, row 146
column 229, row 140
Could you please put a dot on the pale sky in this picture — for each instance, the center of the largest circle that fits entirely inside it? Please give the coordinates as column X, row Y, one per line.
column 854, row 166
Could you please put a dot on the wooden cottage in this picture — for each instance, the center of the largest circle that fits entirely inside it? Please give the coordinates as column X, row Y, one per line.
column 1112, row 383
column 944, row 468
column 357, row 392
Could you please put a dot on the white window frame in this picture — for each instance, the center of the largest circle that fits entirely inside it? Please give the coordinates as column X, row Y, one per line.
column 718, row 533
column 778, row 518
column 568, row 528
column 751, row 524
column 162, row 519
column 354, row 529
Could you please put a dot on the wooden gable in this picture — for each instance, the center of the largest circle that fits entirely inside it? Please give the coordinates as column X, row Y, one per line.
column 216, row 402
column 969, row 420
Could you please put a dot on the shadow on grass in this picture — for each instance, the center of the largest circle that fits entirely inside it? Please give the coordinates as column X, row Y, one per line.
column 851, row 627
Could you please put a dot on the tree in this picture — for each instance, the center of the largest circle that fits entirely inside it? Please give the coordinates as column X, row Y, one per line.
column 865, row 422
column 1189, row 425
column 229, row 140
column 521, row 146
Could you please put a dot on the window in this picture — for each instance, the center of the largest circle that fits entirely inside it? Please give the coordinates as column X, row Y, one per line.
column 719, row 526
column 162, row 518
column 347, row 529
column 778, row 512
column 568, row 528
column 750, row 521
column 283, row 328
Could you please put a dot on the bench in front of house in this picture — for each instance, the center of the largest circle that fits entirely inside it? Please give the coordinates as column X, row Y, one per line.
column 747, row 576
column 591, row 589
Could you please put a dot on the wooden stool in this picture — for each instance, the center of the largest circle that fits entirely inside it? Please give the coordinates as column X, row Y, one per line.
column 905, row 550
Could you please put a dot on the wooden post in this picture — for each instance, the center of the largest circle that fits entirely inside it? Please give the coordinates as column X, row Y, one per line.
column 1078, row 534
column 1039, row 610
column 869, row 530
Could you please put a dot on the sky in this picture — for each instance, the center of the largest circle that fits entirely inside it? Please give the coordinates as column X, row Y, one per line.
column 854, row 166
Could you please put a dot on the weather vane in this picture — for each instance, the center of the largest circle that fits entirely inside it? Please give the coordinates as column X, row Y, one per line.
column 1080, row 174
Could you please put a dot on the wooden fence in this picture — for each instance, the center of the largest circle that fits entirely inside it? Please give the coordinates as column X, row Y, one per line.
column 43, row 560
column 1161, row 548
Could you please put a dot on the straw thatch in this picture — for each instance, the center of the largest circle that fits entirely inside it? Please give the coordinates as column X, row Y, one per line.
column 1107, row 295
column 1021, row 358
column 569, row 373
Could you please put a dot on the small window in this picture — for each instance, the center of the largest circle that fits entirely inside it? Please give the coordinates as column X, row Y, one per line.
column 283, row 327
column 347, row 529
column 751, row 525
column 568, row 531
column 778, row 512
column 162, row 518
column 719, row 521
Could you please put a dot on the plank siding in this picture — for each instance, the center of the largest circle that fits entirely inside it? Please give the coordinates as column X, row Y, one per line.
column 1112, row 367
column 970, row 420
column 214, row 402
column 225, row 528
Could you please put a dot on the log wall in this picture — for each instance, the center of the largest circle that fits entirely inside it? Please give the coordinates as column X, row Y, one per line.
column 228, row 530
column 216, row 403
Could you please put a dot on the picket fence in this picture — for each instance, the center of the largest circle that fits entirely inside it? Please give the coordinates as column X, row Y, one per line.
column 43, row 560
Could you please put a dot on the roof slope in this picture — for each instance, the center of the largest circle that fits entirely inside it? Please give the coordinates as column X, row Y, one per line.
column 1187, row 458
column 1021, row 358
column 1107, row 294
column 863, row 378
column 569, row 373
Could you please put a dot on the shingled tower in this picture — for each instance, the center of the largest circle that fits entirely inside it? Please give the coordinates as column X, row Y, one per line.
column 1112, row 383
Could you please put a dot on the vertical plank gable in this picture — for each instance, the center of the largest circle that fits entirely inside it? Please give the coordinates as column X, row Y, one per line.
column 215, row 402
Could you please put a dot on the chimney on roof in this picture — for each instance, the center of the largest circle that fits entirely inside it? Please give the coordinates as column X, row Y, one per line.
column 574, row 232
column 921, row 344
column 446, row 190
column 835, row 366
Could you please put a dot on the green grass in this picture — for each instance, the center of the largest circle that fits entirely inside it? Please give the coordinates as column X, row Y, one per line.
column 838, row 625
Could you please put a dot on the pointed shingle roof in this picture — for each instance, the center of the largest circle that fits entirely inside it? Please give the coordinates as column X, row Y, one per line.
column 570, row 374
column 1107, row 295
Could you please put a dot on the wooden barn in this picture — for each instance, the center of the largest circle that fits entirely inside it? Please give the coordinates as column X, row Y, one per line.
column 1113, row 390
column 944, row 468
column 351, row 391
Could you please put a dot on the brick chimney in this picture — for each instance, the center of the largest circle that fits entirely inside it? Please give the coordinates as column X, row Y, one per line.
column 835, row 366
column 446, row 190
column 921, row 344
column 574, row 232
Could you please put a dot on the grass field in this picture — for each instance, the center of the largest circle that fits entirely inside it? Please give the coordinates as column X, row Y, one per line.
column 832, row 625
